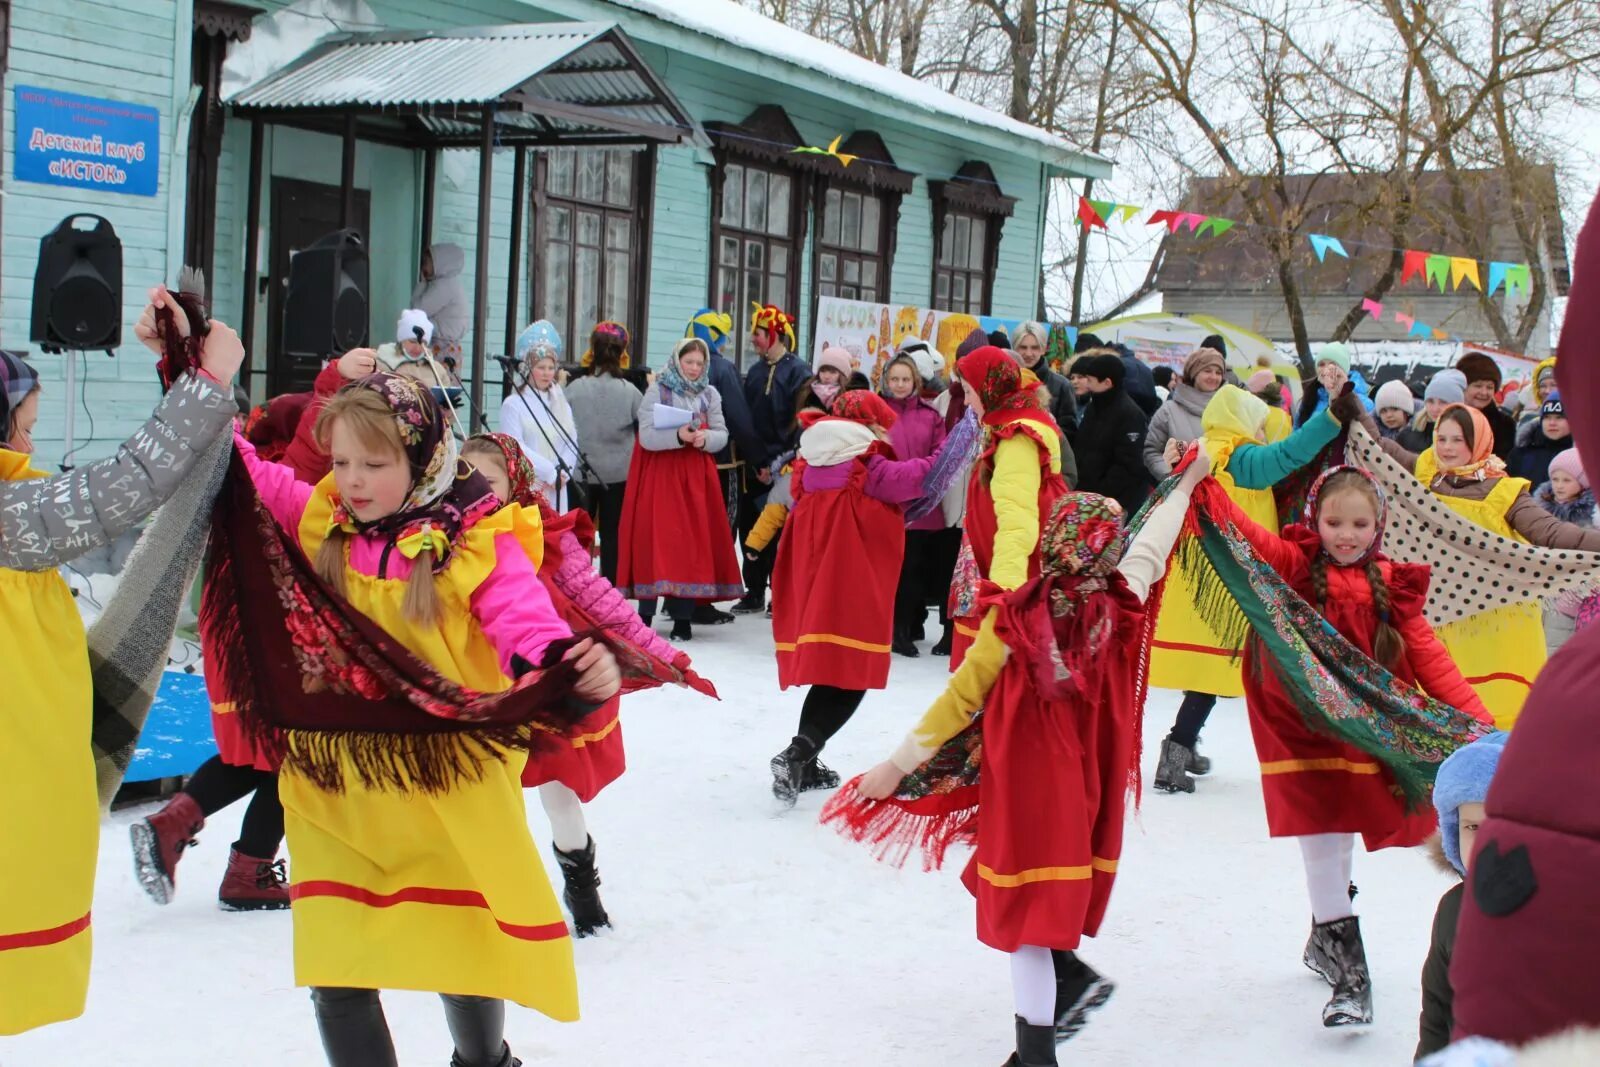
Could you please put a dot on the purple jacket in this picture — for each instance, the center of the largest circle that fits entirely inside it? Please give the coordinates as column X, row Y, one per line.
column 918, row 432
column 894, row 481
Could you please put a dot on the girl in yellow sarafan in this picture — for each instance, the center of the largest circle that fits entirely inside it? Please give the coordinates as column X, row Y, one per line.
column 1189, row 651
column 399, row 884
column 47, row 855
column 1500, row 651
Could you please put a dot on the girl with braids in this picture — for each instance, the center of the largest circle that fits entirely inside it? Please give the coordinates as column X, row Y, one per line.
column 1317, row 788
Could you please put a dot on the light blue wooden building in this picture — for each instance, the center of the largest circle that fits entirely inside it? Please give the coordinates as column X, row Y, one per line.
column 656, row 143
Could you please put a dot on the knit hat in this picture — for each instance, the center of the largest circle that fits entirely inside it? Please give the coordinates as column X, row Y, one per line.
column 1569, row 462
column 999, row 338
column 1261, row 379
column 1217, row 342
column 1199, row 360
column 1394, row 393
column 1479, row 368
column 1106, row 366
column 1335, row 352
column 17, row 380
column 1553, row 406
column 1464, row 779
column 975, row 340
column 414, row 325
column 1447, row 385
column 837, row 358
column 929, row 363
column 539, row 340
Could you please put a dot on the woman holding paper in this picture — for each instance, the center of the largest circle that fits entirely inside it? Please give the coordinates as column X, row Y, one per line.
column 673, row 543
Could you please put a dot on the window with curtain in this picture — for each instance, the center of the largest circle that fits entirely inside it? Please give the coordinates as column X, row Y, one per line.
column 757, row 246
column 852, row 246
column 589, row 240
column 961, row 274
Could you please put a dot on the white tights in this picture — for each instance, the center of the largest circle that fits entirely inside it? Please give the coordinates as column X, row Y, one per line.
column 568, row 828
column 1328, row 858
column 1033, row 985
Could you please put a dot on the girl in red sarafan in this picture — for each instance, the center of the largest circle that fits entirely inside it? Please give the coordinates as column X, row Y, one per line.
column 1318, row 788
column 838, row 567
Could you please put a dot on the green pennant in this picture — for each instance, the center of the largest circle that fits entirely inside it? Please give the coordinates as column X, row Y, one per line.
column 1438, row 271
column 1103, row 208
column 1214, row 227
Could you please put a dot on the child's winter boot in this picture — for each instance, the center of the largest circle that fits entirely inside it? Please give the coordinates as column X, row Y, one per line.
column 1172, row 774
column 1351, row 1002
column 1036, row 1046
column 583, row 889
column 158, row 844
column 506, row 1059
column 1080, row 990
column 818, row 775
column 789, row 769
column 253, row 884
column 1199, row 765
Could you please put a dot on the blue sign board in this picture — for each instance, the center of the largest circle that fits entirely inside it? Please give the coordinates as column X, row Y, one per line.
column 86, row 142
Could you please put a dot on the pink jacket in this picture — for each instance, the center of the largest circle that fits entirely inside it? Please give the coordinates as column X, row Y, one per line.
column 917, row 433
column 510, row 605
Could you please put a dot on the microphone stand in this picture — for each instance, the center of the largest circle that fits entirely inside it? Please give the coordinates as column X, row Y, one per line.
column 516, row 372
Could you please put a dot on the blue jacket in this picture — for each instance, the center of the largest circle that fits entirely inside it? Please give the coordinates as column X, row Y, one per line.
column 769, row 391
column 1363, row 392
column 741, row 431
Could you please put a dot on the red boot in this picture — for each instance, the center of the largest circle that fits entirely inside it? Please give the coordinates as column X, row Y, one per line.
column 158, row 844
column 253, row 884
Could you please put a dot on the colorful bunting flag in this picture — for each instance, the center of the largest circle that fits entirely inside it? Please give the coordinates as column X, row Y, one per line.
column 1416, row 263
column 1088, row 215
column 1441, row 335
column 1439, row 271
column 1214, row 226
column 1126, row 212
column 1103, row 208
column 1403, row 320
column 1167, row 218
column 1464, row 269
column 1520, row 276
column 1497, row 274
column 1373, row 308
column 1420, row 329
column 1189, row 220
column 1322, row 244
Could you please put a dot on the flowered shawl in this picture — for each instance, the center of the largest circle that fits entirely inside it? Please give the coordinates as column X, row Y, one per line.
column 1475, row 571
column 318, row 684
column 672, row 378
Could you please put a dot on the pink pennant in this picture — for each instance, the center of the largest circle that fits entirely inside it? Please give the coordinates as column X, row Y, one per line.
column 1404, row 320
column 1373, row 308
column 1188, row 219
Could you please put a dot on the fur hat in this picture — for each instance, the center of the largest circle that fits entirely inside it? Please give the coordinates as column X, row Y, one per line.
column 837, row 358
column 1569, row 462
column 1447, row 385
column 1394, row 393
column 1479, row 368
column 1336, row 352
column 414, row 325
column 1464, row 778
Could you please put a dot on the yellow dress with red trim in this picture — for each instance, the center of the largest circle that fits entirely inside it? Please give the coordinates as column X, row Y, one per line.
column 437, row 892
column 1187, row 652
column 47, row 792
column 1502, row 651
column 1014, row 483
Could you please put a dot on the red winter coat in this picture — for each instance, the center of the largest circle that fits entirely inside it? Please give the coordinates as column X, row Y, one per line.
column 1315, row 784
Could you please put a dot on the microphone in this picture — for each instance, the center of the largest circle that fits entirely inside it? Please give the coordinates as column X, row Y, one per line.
column 507, row 361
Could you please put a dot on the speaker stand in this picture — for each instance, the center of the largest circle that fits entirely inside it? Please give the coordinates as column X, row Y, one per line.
column 70, row 432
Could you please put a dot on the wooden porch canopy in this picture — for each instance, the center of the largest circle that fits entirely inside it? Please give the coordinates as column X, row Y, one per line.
column 559, row 84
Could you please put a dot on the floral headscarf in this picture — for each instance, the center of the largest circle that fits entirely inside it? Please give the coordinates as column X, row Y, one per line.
column 1001, row 385
column 1314, row 508
column 673, row 377
column 447, row 496
column 519, row 471
column 611, row 331
column 865, row 407
column 1484, row 464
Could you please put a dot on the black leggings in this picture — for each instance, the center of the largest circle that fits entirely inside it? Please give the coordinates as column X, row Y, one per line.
column 942, row 556
column 217, row 784
column 355, row 1033
column 911, row 595
column 1192, row 715
column 825, row 712
column 605, row 506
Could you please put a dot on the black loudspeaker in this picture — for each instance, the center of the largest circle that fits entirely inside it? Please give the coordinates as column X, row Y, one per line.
column 77, row 289
column 325, row 313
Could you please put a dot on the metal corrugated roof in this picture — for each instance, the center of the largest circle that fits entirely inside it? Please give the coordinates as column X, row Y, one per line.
column 573, row 77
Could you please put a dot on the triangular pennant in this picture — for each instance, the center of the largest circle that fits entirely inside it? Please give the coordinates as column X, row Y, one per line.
column 1322, row 244
column 1168, row 218
column 1464, row 269
column 1088, row 215
column 1420, row 329
column 1214, row 226
column 1072, row 336
column 1416, row 263
column 1373, row 308
column 1441, row 335
column 1497, row 274
column 1439, row 271
column 1126, row 212
column 1403, row 320
column 1520, row 276
column 1103, row 208
column 1190, row 220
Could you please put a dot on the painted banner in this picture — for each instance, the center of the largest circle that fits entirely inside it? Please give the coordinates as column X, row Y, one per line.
column 871, row 332
column 86, row 142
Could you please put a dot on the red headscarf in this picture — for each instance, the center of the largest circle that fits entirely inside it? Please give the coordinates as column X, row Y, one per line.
column 855, row 405
column 998, row 380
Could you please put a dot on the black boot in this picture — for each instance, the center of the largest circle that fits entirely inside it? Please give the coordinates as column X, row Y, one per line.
column 901, row 645
column 751, row 604
column 817, row 775
column 1036, row 1046
column 1351, row 1002
column 682, row 630
column 1172, row 774
column 583, row 890
column 710, row 615
column 1080, row 990
column 941, row 647
column 789, row 769
column 1199, row 765
column 1318, row 956
column 506, row 1059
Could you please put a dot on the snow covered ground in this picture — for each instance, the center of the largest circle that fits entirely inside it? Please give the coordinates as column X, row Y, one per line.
column 747, row 936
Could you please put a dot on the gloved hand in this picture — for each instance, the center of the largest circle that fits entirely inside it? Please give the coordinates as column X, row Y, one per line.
column 1346, row 407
